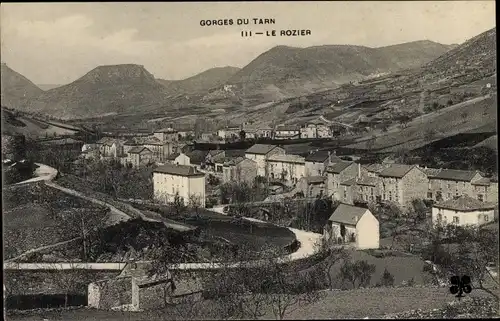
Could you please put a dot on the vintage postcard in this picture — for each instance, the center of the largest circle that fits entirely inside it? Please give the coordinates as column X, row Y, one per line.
column 249, row 160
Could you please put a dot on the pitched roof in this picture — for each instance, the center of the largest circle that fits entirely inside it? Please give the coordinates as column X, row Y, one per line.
column 484, row 181
column 261, row 149
column 396, row 170
column 233, row 161
column 464, row 203
column 197, row 156
column 347, row 214
column 296, row 159
column 173, row 156
column 166, row 130
column 215, row 152
column 319, row 156
column 456, row 175
column 152, row 140
column 431, row 172
column 139, row 150
column 338, row 167
column 375, row 168
column 315, row 179
column 179, row 170
column 288, row 128
column 366, row 180
column 131, row 142
column 349, row 182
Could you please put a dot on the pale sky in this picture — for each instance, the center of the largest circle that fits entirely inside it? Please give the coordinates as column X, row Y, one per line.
column 56, row 43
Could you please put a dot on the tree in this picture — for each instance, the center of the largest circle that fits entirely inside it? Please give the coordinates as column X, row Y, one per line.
column 333, row 257
column 178, row 205
column 450, row 102
column 474, row 249
column 358, row 273
column 195, row 202
column 242, row 135
column 260, row 281
column 387, row 278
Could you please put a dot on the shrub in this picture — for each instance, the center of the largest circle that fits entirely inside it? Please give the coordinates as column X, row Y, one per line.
column 387, row 278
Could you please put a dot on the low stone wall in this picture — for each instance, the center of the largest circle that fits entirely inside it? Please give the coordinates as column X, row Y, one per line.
column 107, row 294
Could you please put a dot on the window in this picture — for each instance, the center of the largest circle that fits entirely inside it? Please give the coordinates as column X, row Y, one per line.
column 480, row 197
column 371, row 189
column 449, row 186
column 439, row 217
column 486, row 217
column 449, row 195
column 429, row 195
column 456, row 220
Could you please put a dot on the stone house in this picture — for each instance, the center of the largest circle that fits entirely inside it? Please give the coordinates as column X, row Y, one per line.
column 111, row 147
column 215, row 161
column 461, row 211
column 135, row 289
column 308, row 131
column 90, row 151
column 312, row 186
column 186, row 181
column 179, row 159
column 372, row 170
column 264, row 132
column 323, row 131
column 402, row 184
column 159, row 148
column 139, row 156
column 240, row 169
column 229, row 132
column 347, row 191
column 339, row 173
column 287, row 132
column 366, row 189
column 287, row 168
column 351, row 224
column 197, row 158
column 259, row 153
column 317, row 162
column 167, row 135
column 450, row 183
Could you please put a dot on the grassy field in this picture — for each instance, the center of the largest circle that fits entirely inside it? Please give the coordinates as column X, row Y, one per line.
column 33, row 222
column 445, row 122
column 402, row 267
column 374, row 303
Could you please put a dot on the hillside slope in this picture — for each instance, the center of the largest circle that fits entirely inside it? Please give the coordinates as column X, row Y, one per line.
column 284, row 72
column 104, row 90
column 14, row 123
column 201, row 82
column 16, row 90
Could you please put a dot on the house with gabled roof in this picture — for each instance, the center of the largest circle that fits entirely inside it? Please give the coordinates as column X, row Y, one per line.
column 287, row 168
column 178, row 159
column 317, row 162
column 239, row 169
column 401, row 184
column 450, row 183
column 463, row 210
column 355, row 225
column 139, row 156
column 339, row 173
column 170, row 180
column 259, row 154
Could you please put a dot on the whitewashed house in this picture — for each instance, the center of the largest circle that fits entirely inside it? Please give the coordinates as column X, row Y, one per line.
column 352, row 224
column 170, row 179
column 259, row 154
column 179, row 159
column 287, row 168
column 462, row 211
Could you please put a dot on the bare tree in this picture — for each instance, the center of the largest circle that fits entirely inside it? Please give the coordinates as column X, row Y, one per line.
column 195, row 202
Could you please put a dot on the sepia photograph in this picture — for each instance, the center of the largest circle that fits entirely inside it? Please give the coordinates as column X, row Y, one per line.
column 249, row 160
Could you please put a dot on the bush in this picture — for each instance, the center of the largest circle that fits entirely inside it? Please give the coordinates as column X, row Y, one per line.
column 387, row 279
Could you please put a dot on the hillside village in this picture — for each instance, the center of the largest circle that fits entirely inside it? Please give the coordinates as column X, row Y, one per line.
column 304, row 182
